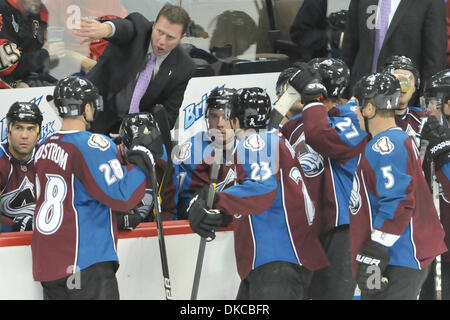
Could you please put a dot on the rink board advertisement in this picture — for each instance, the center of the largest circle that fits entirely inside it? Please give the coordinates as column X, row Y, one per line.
column 140, row 273
column 192, row 111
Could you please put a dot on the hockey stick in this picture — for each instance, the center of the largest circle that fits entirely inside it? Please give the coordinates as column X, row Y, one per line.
column 435, row 192
column 282, row 107
column 209, row 203
column 161, row 118
column 159, row 226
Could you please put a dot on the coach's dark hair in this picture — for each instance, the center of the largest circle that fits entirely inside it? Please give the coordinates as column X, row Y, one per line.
column 175, row 14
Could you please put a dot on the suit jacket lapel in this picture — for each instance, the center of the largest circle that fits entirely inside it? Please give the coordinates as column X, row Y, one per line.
column 402, row 8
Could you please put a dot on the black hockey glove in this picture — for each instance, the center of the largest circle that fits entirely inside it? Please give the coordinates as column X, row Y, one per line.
column 128, row 220
column 204, row 222
column 146, row 148
column 439, row 141
column 22, row 223
column 372, row 262
column 308, row 84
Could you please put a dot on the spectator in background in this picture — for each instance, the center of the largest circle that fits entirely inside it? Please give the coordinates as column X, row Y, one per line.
column 17, row 175
column 316, row 34
column 67, row 53
column 132, row 55
column 377, row 30
column 23, row 60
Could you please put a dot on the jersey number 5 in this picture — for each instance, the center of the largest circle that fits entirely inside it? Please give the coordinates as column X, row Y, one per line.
column 388, row 176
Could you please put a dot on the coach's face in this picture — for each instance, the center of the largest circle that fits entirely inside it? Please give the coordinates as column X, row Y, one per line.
column 166, row 36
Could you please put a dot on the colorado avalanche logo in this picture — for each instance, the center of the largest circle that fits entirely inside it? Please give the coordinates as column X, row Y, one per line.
column 184, row 152
column 254, row 143
column 355, row 197
column 383, row 146
column 19, row 201
column 99, row 142
column 311, row 161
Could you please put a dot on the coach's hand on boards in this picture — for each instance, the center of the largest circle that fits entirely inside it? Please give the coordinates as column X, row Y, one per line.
column 439, row 141
column 146, row 149
column 203, row 221
column 308, row 84
column 372, row 262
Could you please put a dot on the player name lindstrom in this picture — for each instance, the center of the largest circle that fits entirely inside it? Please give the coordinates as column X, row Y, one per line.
column 52, row 152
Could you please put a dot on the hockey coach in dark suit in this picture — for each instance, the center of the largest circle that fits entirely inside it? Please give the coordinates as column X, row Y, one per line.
column 378, row 29
column 143, row 65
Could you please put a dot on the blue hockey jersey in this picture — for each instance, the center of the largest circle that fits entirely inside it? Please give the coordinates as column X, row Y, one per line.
column 393, row 204
column 79, row 180
column 336, row 135
column 271, row 208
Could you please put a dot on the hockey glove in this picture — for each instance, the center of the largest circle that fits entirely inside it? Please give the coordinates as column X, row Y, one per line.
column 22, row 223
column 146, row 149
column 372, row 262
column 439, row 141
column 308, row 84
column 128, row 220
column 203, row 221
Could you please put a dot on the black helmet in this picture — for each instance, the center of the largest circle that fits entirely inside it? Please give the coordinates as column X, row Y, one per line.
column 24, row 112
column 382, row 88
column 253, row 108
column 335, row 74
column 71, row 95
column 337, row 20
column 221, row 98
column 396, row 62
column 132, row 123
column 438, row 86
column 283, row 78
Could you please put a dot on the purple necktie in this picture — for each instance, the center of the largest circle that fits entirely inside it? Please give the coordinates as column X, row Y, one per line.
column 142, row 84
column 385, row 10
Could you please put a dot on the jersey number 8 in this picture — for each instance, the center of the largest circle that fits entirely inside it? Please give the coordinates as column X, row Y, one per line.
column 50, row 215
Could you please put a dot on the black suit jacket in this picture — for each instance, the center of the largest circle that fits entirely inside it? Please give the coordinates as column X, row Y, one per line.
column 120, row 63
column 417, row 30
column 309, row 29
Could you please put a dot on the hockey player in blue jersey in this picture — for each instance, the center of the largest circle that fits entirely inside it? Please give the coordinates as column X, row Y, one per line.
column 275, row 245
column 79, row 181
column 334, row 133
column 395, row 229
column 143, row 212
column 194, row 156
